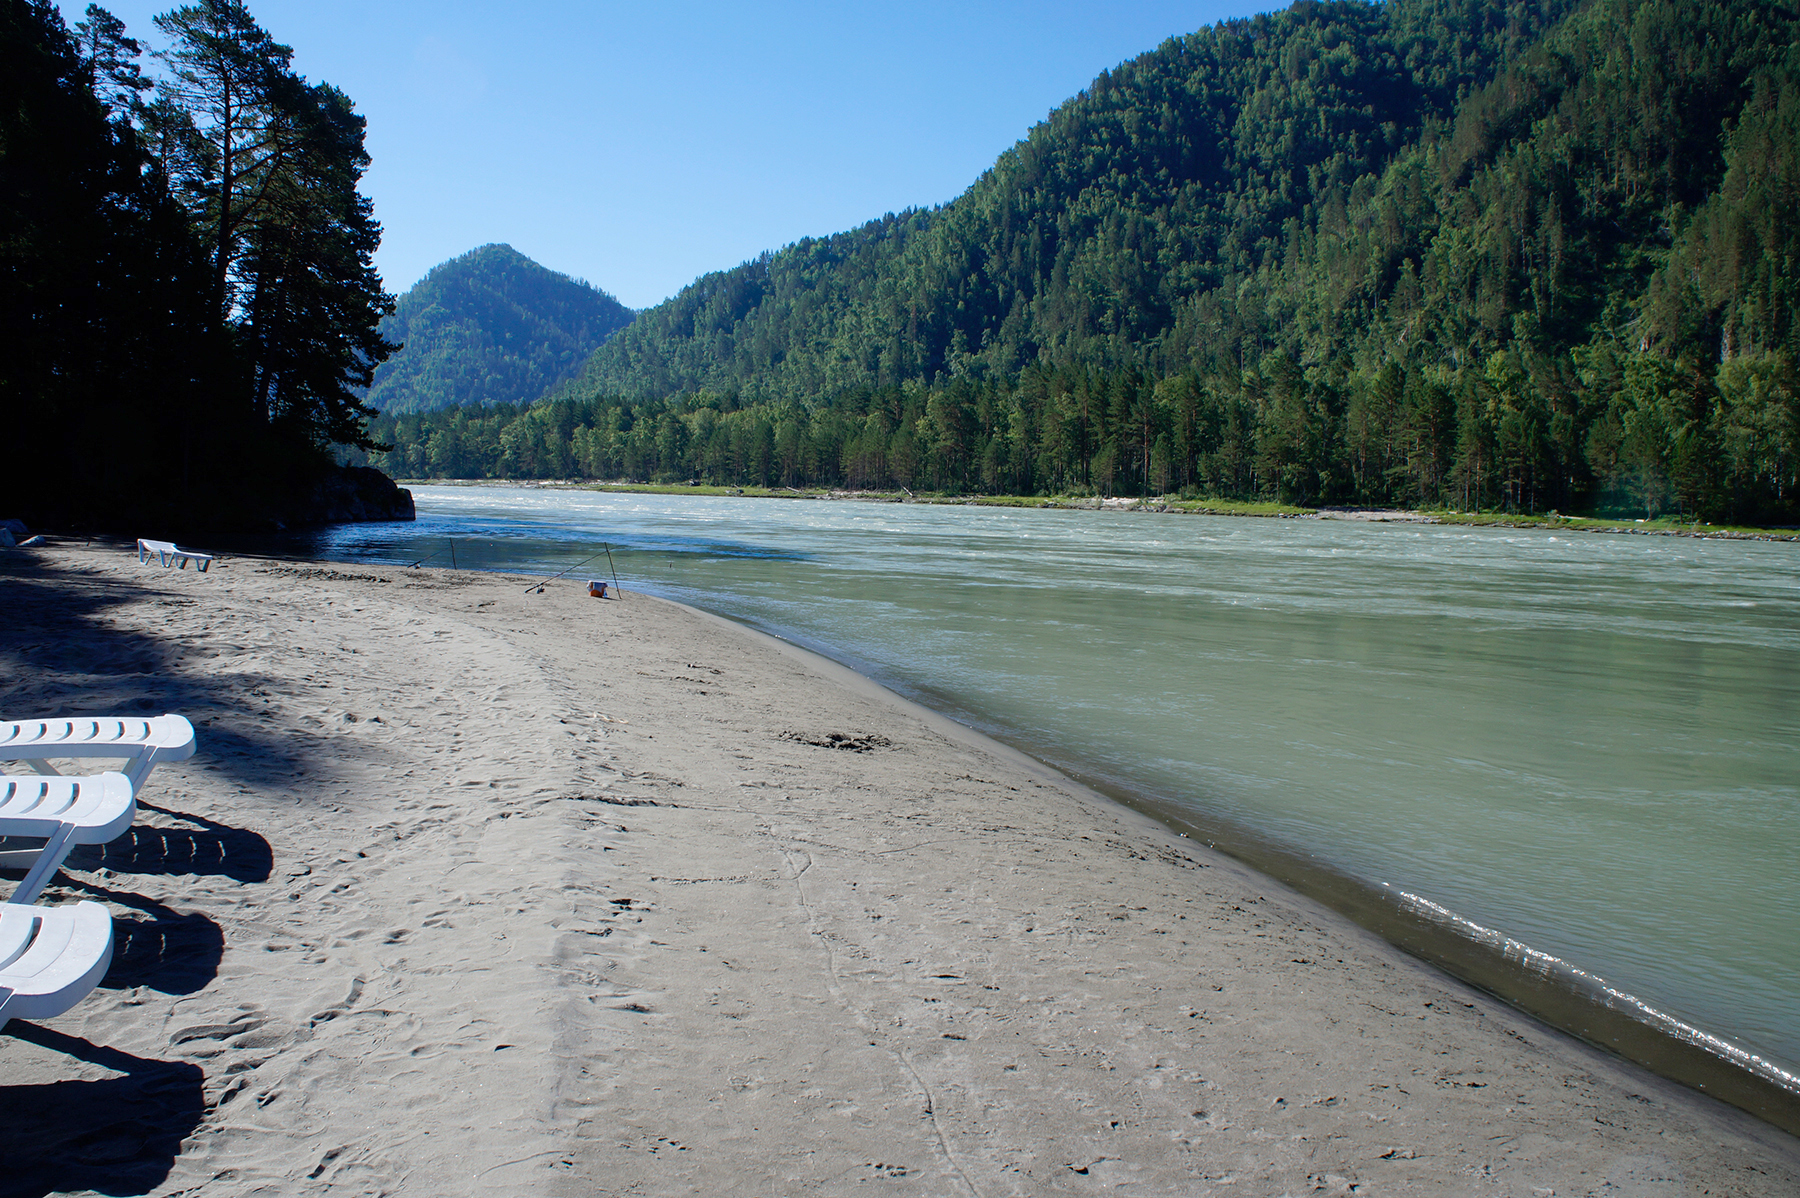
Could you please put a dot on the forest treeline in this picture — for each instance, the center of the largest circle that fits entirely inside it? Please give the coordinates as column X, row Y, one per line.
column 490, row 326
column 1272, row 432
column 186, row 276
column 1523, row 254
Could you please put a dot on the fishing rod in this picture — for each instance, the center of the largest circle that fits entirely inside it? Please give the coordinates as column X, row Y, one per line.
column 617, row 589
column 539, row 586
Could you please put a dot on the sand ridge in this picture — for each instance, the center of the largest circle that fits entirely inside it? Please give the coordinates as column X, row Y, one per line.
column 475, row 890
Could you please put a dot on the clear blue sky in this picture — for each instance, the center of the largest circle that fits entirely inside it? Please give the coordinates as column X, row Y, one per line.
column 641, row 145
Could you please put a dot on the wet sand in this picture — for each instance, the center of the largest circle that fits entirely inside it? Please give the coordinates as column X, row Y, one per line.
column 474, row 890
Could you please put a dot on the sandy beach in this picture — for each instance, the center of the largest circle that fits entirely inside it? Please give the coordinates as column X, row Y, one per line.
column 474, row 890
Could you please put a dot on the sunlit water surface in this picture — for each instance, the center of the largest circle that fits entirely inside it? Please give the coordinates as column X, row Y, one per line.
column 1590, row 743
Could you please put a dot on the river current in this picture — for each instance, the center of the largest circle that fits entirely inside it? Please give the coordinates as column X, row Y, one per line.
column 1589, row 744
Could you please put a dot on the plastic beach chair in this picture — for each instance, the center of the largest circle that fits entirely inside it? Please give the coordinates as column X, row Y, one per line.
column 167, row 552
column 65, row 812
column 51, row 957
column 146, row 742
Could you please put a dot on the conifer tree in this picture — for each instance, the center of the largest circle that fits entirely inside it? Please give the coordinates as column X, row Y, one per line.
column 269, row 166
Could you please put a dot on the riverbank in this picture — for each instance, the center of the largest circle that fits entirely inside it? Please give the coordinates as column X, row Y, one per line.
column 475, row 888
column 1666, row 525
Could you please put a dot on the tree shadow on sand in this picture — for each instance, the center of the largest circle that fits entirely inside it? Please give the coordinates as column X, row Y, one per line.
column 117, row 1135
column 61, row 653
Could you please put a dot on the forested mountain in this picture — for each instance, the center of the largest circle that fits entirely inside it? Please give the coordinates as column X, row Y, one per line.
column 1488, row 253
column 186, row 276
column 1119, row 225
column 489, row 327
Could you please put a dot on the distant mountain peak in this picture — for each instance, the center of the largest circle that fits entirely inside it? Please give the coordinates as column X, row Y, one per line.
column 490, row 326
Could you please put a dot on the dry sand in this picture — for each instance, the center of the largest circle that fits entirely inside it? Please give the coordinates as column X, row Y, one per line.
column 470, row 891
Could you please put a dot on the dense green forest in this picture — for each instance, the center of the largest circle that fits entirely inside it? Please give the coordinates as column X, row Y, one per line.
column 186, row 278
column 1524, row 254
column 491, row 326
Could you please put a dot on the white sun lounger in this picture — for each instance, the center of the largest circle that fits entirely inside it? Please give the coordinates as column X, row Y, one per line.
column 51, row 957
column 166, row 552
column 147, row 742
column 66, row 812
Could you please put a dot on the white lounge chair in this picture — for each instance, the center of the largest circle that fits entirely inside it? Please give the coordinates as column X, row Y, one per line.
column 51, row 957
column 146, row 742
column 65, row 812
column 166, row 552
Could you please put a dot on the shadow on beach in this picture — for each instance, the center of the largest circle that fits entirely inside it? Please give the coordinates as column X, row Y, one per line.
column 212, row 848
column 63, row 655
column 165, row 950
column 117, row 1135
column 168, row 951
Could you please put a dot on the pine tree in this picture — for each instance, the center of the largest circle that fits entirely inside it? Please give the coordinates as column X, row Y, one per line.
column 269, row 166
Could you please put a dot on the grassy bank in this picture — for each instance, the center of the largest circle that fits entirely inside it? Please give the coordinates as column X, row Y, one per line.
column 1667, row 526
